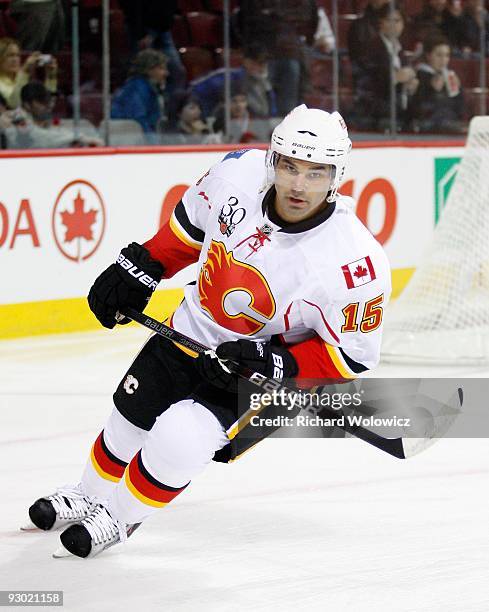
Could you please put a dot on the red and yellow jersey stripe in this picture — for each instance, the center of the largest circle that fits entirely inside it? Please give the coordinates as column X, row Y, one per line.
column 177, row 244
column 319, row 360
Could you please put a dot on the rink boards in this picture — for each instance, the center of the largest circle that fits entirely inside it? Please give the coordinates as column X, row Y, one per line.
column 64, row 215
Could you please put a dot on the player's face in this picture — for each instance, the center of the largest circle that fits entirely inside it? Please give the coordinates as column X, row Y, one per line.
column 301, row 187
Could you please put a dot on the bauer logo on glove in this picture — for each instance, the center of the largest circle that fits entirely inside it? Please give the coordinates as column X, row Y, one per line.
column 136, row 272
column 129, row 282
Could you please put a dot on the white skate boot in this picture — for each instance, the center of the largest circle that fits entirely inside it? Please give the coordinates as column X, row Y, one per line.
column 93, row 534
column 67, row 506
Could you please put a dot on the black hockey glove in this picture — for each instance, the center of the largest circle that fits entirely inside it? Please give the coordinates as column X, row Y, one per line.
column 130, row 281
column 271, row 361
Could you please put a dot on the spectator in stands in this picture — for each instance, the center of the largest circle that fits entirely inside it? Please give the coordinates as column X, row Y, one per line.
column 149, row 26
column 442, row 17
column 374, row 90
column 31, row 125
column 286, row 28
column 474, row 17
column 324, row 39
column 253, row 78
column 14, row 75
column 240, row 121
column 4, row 122
column 192, row 126
column 40, row 24
column 141, row 98
column 437, row 105
column 361, row 33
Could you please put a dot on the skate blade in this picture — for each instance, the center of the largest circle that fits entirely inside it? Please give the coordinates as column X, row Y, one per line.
column 61, row 553
column 29, row 526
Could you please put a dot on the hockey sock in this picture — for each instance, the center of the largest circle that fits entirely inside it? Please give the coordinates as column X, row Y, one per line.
column 179, row 447
column 140, row 494
column 110, row 454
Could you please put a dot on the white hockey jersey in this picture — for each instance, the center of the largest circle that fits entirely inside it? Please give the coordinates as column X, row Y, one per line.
column 321, row 285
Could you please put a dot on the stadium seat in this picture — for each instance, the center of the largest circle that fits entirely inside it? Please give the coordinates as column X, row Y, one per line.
column 344, row 6
column 180, row 32
column 344, row 24
column 197, row 61
column 3, row 31
column 216, row 5
column 236, row 57
column 205, row 29
column 410, row 37
column 118, row 35
column 186, row 6
column 8, row 25
column 473, row 99
column 467, row 70
column 123, row 132
column 86, row 127
column 91, row 107
column 360, row 6
column 413, row 7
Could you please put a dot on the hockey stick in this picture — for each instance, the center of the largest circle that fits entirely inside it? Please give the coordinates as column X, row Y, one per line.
column 402, row 448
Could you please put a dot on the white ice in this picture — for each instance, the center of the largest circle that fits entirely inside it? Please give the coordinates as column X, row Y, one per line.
column 329, row 525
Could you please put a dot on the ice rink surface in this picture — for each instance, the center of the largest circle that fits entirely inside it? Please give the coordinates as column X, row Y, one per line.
column 328, row 525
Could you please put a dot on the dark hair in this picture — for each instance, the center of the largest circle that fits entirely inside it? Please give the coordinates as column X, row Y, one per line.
column 183, row 100
column 256, row 51
column 3, row 102
column 385, row 11
column 236, row 88
column 434, row 41
column 34, row 91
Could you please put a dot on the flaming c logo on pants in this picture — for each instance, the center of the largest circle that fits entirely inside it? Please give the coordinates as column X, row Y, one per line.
column 222, row 275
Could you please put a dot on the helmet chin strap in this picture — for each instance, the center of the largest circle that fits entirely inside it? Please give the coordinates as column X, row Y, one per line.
column 333, row 192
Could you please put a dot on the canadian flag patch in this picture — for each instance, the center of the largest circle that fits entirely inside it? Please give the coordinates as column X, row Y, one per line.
column 359, row 272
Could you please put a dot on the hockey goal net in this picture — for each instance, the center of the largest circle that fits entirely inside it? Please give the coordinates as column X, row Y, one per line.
column 443, row 314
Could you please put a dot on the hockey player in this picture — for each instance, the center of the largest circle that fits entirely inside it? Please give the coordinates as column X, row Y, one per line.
column 289, row 283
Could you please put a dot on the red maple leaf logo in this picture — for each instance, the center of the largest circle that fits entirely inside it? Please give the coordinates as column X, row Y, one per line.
column 79, row 222
column 360, row 271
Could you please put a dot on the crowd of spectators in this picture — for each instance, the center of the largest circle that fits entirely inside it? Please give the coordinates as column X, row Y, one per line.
column 281, row 56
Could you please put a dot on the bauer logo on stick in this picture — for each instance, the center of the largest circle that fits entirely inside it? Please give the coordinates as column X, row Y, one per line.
column 359, row 272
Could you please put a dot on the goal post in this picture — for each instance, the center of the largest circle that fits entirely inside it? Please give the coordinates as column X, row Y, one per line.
column 442, row 316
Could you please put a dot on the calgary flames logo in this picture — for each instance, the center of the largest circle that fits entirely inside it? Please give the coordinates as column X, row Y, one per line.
column 220, row 276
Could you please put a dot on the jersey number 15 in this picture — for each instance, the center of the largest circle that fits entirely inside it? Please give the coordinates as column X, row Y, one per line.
column 371, row 317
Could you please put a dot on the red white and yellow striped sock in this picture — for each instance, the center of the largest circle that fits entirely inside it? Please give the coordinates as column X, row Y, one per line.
column 118, row 442
column 103, row 470
column 140, row 494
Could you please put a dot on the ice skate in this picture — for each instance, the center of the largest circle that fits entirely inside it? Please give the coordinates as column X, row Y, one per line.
column 67, row 506
column 93, row 535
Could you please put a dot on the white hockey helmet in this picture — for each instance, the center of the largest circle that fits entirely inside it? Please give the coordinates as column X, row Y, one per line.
column 313, row 135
